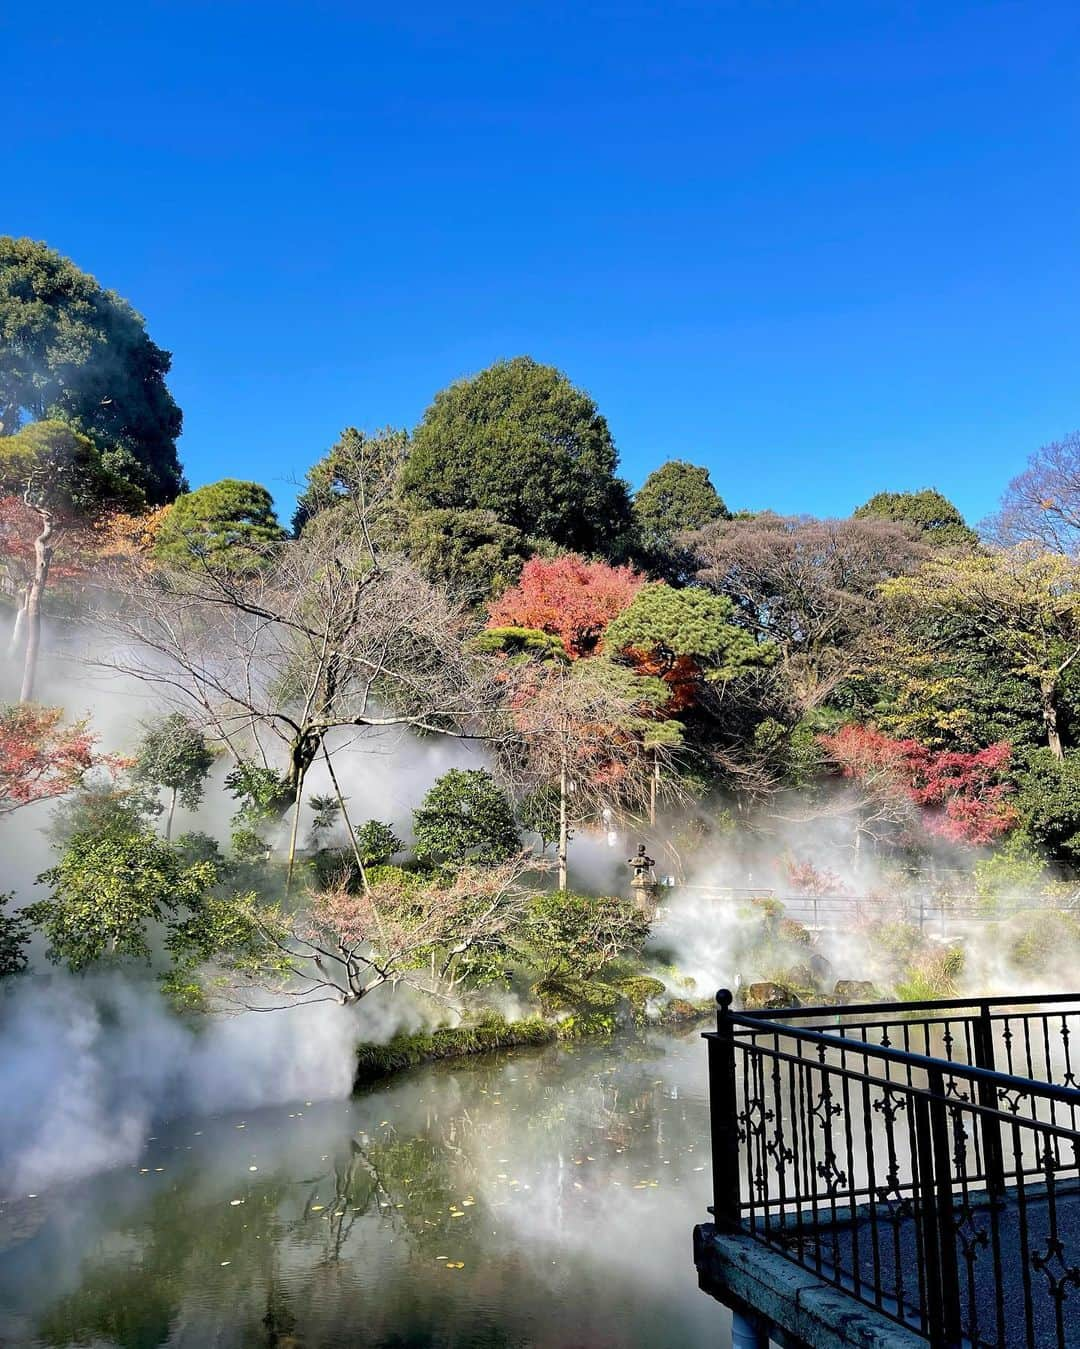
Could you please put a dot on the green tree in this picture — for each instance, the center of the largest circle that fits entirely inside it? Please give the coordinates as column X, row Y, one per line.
column 934, row 516
column 674, row 497
column 668, row 624
column 231, row 523
column 360, row 473
column 14, row 936
column 1048, row 802
column 376, row 842
column 70, row 349
column 1022, row 604
column 109, row 887
column 174, row 754
column 465, row 817
column 471, row 551
column 521, row 441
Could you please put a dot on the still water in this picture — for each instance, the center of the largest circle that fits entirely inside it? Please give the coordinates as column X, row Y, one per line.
column 539, row 1198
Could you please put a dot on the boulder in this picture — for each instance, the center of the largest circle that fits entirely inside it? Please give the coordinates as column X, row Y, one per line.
column 854, row 990
column 768, row 994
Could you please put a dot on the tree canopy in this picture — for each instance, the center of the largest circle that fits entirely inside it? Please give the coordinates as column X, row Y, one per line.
column 567, row 597
column 465, row 817
column 670, row 624
column 521, row 441
column 674, row 497
column 173, row 754
column 934, row 516
column 1042, row 504
column 71, row 350
column 231, row 522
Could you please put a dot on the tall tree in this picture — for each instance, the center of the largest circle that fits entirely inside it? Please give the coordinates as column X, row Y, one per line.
column 1022, row 602
column 591, row 738
column 674, row 497
column 1042, row 504
column 231, row 522
column 809, row 586
column 933, row 516
column 521, row 441
column 358, row 473
column 327, row 634
column 71, row 350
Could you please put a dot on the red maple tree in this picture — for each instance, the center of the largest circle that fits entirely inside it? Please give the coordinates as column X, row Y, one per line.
column 963, row 793
column 569, row 597
column 40, row 758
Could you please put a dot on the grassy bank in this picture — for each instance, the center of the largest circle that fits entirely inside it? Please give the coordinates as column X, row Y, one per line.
column 374, row 1062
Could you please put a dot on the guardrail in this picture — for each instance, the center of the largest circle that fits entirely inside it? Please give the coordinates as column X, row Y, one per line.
column 911, row 1155
column 927, row 912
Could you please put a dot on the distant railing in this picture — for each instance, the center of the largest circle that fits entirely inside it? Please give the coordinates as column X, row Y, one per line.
column 930, row 913
column 924, row 1158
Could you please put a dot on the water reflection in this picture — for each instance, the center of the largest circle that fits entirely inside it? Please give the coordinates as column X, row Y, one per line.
column 540, row 1199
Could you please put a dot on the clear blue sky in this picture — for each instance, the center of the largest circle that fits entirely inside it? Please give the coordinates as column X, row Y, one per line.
column 824, row 248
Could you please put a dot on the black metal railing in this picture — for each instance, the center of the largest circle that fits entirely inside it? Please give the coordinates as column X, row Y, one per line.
column 925, row 1158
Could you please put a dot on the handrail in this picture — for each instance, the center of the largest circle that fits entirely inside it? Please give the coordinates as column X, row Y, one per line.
column 885, row 1171
column 934, row 1005
column 907, row 1058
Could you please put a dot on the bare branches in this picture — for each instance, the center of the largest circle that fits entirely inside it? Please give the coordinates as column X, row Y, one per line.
column 307, row 642
column 1042, row 504
column 426, row 933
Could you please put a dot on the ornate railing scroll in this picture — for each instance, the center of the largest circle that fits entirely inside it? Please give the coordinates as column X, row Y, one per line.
column 899, row 1155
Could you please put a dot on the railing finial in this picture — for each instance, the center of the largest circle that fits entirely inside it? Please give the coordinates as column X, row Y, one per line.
column 724, row 999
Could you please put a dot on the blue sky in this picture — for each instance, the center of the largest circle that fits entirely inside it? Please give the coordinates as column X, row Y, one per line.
column 824, row 248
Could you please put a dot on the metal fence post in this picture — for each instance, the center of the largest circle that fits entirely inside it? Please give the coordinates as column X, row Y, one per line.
column 723, row 1112
column 993, row 1154
column 942, row 1214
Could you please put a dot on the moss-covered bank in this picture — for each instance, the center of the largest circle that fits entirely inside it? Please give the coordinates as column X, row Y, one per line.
column 409, row 1051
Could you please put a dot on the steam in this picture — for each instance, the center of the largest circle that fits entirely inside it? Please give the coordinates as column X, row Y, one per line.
column 91, row 1065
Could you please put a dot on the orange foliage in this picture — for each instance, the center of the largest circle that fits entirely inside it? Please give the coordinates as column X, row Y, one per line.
column 568, row 597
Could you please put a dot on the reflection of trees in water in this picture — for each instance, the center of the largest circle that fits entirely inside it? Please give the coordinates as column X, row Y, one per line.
column 441, row 1160
column 132, row 1292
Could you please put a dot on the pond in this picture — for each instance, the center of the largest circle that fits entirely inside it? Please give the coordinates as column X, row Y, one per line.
column 537, row 1198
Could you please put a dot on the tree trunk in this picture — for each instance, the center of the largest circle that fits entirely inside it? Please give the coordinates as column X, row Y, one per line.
column 564, row 832
column 169, row 817
column 1050, row 718
column 43, row 551
column 348, row 823
column 18, row 628
column 294, row 831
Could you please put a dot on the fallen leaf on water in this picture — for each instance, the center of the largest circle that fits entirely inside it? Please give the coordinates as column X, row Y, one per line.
column 317, row 1208
column 233, row 1202
column 253, row 1168
column 225, row 1262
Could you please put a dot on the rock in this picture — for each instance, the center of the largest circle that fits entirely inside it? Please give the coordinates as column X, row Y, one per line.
column 768, row 994
column 854, row 990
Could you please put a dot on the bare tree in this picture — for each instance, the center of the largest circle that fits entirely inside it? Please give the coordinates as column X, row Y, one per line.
column 1042, row 504
column 324, row 634
column 808, row 585
column 435, row 935
column 594, row 736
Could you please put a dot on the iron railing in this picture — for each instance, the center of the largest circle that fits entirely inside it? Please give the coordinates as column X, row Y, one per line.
column 925, row 1158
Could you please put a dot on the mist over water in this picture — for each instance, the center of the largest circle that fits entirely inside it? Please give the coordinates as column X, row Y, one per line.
column 495, row 1202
